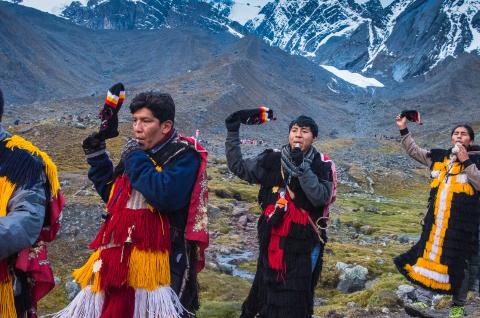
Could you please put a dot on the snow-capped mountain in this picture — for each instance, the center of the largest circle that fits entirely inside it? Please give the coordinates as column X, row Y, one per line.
column 404, row 39
column 394, row 38
column 147, row 14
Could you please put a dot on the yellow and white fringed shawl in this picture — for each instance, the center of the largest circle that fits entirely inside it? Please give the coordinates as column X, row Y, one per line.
column 437, row 261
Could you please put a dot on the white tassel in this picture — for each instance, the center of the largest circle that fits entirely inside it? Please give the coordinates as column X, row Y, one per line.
column 85, row 305
column 163, row 302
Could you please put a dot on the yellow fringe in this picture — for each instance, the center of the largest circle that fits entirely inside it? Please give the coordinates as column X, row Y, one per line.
column 428, row 264
column 50, row 167
column 6, row 191
column 463, row 188
column 83, row 275
column 426, row 281
column 148, row 270
column 96, row 283
column 7, row 301
column 439, row 166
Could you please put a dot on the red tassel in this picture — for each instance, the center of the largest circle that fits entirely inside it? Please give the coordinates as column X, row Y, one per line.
column 120, row 197
column 275, row 254
column 114, row 270
column 146, row 230
column 4, row 276
column 119, row 303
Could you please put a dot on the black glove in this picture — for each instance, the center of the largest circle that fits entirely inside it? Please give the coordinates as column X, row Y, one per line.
column 93, row 143
column 109, row 113
column 297, row 156
column 131, row 146
column 412, row 115
column 255, row 116
column 277, row 216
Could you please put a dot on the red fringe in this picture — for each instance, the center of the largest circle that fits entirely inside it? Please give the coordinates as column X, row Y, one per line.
column 120, row 197
column 119, row 303
column 114, row 270
column 293, row 215
column 4, row 276
column 151, row 231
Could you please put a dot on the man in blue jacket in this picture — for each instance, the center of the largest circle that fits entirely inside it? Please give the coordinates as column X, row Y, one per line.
column 150, row 197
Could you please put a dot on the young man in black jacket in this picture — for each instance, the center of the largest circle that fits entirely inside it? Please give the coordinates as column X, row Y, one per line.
column 296, row 188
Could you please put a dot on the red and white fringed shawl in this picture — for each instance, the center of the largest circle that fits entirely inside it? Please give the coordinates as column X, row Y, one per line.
column 128, row 275
column 197, row 220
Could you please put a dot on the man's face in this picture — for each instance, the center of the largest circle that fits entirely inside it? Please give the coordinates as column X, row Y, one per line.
column 302, row 136
column 148, row 130
column 460, row 135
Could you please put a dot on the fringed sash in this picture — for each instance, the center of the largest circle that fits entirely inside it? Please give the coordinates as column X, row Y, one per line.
column 19, row 168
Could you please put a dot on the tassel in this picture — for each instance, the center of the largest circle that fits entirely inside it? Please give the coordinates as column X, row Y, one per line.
column 149, row 270
column 84, row 274
column 119, row 303
column 114, row 270
column 85, row 305
column 96, row 283
column 6, row 189
column 50, row 168
column 7, row 301
column 160, row 303
column 4, row 276
column 151, row 231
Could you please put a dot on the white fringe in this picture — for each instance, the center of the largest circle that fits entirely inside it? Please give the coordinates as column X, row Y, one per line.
column 160, row 303
column 85, row 305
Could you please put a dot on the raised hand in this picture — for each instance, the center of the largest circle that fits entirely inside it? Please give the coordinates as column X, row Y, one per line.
column 109, row 113
column 255, row 116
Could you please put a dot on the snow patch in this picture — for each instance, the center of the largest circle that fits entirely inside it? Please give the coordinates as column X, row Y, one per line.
column 242, row 11
column 353, row 78
column 232, row 31
column 50, row 6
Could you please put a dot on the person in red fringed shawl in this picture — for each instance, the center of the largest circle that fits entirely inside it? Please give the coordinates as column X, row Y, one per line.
column 30, row 208
column 148, row 252
column 297, row 185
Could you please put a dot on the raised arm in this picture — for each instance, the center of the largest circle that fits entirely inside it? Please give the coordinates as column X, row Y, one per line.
column 412, row 149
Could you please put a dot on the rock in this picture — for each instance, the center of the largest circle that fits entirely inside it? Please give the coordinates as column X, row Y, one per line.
column 366, row 229
column 16, row 122
column 25, row 130
column 385, row 310
column 351, row 304
column 79, row 125
column 405, row 292
column 243, row 221
column 336, row 223
column 404, row 239
column 57, row 280
column 352, row 278
column 380, row 261
column 72, row 289
column 320, row 301
column 371, row 209
column 213, row 211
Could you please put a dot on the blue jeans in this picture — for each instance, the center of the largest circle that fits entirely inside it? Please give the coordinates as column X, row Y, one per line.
column 314, row 256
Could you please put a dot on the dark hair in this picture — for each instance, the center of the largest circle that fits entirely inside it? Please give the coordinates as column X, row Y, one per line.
column 468, row 128
column 160, row 104
column 1, row 104
column 305, row 121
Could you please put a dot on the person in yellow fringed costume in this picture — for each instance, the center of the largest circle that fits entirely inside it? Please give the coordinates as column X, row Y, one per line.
column 441, row 260
column 30, row 208
column 151, row 246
